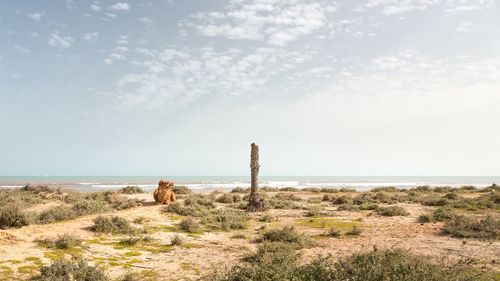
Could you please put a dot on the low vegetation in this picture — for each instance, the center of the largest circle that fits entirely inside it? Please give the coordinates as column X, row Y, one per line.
column 392, row 211
column 63, row 242
column 286, row 234
column 470, row 227
column 77, row 270
column 113, row 225
column 12, row 216
column 131, row 189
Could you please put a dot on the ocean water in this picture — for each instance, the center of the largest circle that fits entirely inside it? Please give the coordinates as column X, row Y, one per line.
column 92, row 183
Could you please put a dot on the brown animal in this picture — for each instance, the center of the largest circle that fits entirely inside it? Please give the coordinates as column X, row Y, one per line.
column 164, row 193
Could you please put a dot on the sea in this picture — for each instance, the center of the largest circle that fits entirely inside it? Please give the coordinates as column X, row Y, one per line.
column 360, row 183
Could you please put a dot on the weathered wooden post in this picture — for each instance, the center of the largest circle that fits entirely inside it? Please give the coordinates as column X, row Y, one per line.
column 255, row 203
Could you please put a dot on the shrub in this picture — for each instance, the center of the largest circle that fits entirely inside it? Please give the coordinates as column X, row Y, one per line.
column 131, row 189
column 314, row 200
column 89, row 207
column 228, row 198
column 189, row 225
column 240, row 190
column 348, row 207
column 468, row 227
column 287, row 196
column 340, row 200
column 314, row 211
column 141, row 220
column 278, row 203
column 267, row 218
column 64, row 241
column 332, row 232
column 200, row 200
column 440, row 214
column 225, row 219
column 177, row 240
column 392, row 211
column 435, row 202
column 279, row 261
column 70, row 270
column 286, row 234
column 19, row 198
column 328, row 197
column 115, row 225
column 12, row 216
column 56, row 214
column 179, row 189
column 190, row 210
column 385, row 189
column 355, row 231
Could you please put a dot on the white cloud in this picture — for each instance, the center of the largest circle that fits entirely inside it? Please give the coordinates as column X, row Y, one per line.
column 276, row 22
column 34, row 34
column 146, row 20
column 60, row 41
column 393, row 7
column 96, row 6
column 463, row 27
column 468, row 5
column 37, row 16
column 91, row 36
column 120, row 6
column 22, row 49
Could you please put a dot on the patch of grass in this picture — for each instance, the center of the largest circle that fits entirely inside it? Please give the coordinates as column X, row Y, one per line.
column 314, row 211
column 392, row 211
column 190, row 225
column 141, row 220
column 469, row 227
column 279, row 203
column 114, row 225
column 78, row 270
column 333, row 232
column 12, row 216
column 28, row 269
column 267, row 218
column 131, row 189
column 179, row 189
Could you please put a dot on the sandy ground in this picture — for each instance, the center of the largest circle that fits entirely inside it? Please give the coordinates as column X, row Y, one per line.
column 20, row 256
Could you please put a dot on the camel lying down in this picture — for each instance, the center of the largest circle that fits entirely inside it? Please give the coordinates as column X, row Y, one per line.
column 164, row 193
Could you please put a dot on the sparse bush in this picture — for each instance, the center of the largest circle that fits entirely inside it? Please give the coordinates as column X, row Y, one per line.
column 314, row 211
column 385, row 189
column 392, row 211
column 225, row 219
column 287, row 196
column 435, row 202
column 340, row 200
column 70, row 270
column 131, row 189
column 180, row 189
column 193, row 210
column 64, row 241
column 314, row 200
column 332, row 232
column 115, row 225
column 278, row 203
column 328, row 197
column 56, row 214
column 18, row 198
column 141, row 220
column 228, row 198
column 89, row 207
column 355, row 231
column 267, row 218
column 12, row 216
column 468, row 227
column 200, row 200
column 286, row 234
column 440, row 214
column 189, row 225
column 177, row 240
column 348, row 207
column 240, row 190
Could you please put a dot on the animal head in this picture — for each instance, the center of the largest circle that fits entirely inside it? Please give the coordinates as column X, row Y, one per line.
column 166, row 184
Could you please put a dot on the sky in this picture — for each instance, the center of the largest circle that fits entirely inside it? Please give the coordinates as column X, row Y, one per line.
column 182, row 87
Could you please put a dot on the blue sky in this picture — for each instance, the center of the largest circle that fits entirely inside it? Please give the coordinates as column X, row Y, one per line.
column 377, row 87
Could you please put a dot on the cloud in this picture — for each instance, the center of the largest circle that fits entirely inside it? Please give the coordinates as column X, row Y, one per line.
column 184, row 75
column 120, row 6
column 91, row 36
column 146, row 20
column 118, row 52
column 22, row 49
column 60, row 41
column 463, row 27
column 96, row 6
column 394, row 7
column 37, row 16
column 275, row 22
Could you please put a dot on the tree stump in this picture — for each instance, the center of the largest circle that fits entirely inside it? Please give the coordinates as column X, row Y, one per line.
column 255, row 202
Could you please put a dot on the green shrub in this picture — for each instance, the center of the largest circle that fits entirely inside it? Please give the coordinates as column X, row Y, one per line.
column 89, row 207
column 440, row 214
column 193, row 210
column 469, row 227
column 328, row 197
column 348, row 207
column 287, row 197
column 267, row 218
column 278, row 203
column 12, row 216
column 314, row 211
column 435, row 202
column 189, row 225
column 70, row 270
column 64, row 241
column 179, row 189
column 240, row 190
column 19, row 198
column 56, row 214
column 392, row 211
column 340, row 200
column 114, row 225
column 131, row 189
column 279, row 261
column 200, row 200
column 225, row 219
column 228, row 198
column 286, row 234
